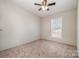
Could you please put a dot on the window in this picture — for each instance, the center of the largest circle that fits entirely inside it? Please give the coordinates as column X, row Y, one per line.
column 56, row 27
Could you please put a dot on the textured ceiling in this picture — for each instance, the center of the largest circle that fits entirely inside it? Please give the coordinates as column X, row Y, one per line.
column 61, row 5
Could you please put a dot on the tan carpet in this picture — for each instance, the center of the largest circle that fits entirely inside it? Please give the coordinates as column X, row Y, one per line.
column 41, row 49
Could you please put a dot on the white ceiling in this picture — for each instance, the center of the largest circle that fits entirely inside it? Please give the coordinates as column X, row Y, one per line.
column 61, row 5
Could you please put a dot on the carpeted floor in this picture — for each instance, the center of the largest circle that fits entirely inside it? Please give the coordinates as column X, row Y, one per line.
column 40, row 49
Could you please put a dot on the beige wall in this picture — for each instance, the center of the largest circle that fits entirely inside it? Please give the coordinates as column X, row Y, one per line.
column 69, row 27
column 19, row 26
column 78, row 28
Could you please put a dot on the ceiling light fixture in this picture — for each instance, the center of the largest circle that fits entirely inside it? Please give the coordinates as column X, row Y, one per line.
column 44, row 5
column 44, row 8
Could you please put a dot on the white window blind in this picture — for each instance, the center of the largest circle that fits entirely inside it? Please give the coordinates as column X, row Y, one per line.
column 56, row 27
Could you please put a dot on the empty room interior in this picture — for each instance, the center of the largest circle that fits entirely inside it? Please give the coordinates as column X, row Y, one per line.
column 39, row 28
